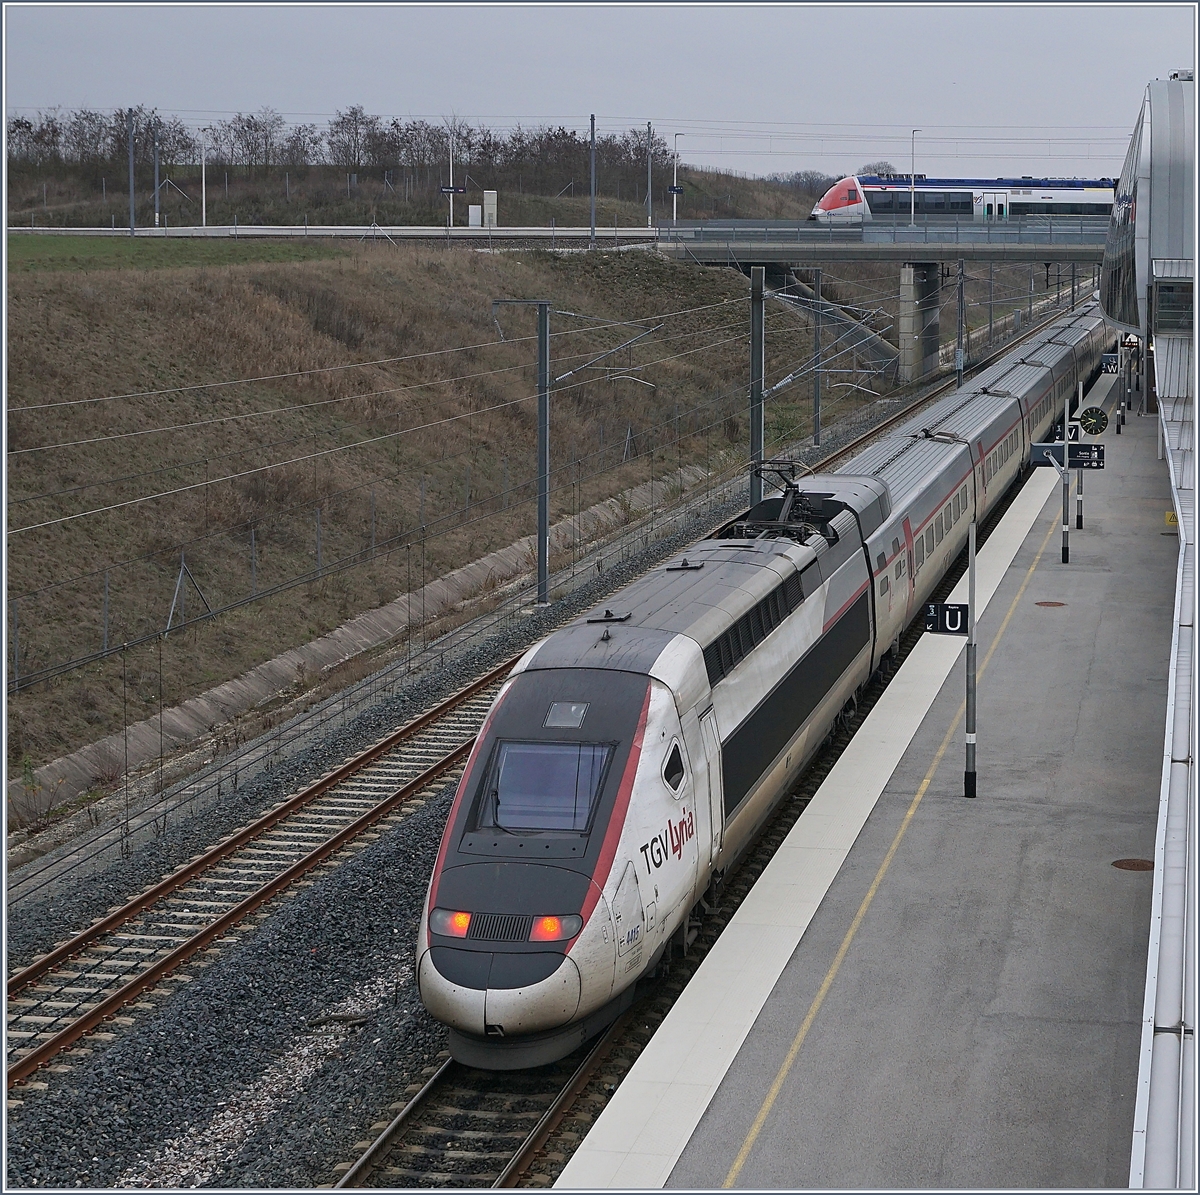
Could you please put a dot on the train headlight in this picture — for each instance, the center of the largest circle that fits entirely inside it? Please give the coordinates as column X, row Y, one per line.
column 450, row 923
column 555, row 929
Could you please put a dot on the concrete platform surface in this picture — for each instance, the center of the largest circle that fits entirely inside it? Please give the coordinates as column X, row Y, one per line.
column 963, row 1007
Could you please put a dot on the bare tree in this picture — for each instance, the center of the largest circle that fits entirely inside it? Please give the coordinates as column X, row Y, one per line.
column 348, row 137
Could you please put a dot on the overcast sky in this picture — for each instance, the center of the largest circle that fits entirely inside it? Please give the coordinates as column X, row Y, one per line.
column 1019, row 89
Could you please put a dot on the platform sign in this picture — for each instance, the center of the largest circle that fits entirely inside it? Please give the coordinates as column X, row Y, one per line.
column 1079, row 456
column 1073, row 432
column 946, row 618
column 1110, row 363
column 1093, row 420
column 1085, row 456
column 453, row 190
column 1045, row 454
column 674, row 190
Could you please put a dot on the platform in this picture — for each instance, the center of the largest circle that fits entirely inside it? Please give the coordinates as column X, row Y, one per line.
column 927, row 991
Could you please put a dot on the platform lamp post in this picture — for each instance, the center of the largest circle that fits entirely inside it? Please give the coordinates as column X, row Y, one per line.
column 675, row 183
column 912, row 183
column 969, row 775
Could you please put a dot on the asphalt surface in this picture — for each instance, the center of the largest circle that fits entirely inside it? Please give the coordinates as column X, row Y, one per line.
column 982, row 1028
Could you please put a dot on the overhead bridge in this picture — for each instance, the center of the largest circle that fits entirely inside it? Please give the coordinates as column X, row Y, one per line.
column 1056, row 239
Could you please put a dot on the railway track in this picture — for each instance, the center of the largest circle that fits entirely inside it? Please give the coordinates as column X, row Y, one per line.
column 83, row 982
column 471, row 1128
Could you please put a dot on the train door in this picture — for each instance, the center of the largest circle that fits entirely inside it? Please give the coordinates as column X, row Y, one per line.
column 712, row 769
column 910, row 588
column 995, row 205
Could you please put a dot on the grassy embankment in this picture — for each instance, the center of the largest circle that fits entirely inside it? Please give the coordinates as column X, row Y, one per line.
column 75, row 198
column 91, row 320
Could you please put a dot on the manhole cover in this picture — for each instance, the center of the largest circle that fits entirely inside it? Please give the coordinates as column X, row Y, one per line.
column 1049, row 603
column 1134, row 864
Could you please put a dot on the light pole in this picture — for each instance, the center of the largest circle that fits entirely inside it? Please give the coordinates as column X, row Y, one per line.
column 203, row 184
column 912, row 183
column 675, row 183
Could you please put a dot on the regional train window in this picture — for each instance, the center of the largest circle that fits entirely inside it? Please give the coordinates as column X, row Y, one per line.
column 957, row 509
column 883, row 586
column 899, row 569
column 542, row 786
column 673, row 768
column 963, row 495
column 920, row 550
column 929, row 541
column 946, row 516
column 937, row 528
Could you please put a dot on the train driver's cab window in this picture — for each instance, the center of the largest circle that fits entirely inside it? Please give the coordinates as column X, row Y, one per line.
column 542, row 786
column 673, row 768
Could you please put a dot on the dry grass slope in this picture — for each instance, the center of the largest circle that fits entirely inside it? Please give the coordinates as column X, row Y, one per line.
column 440, row 437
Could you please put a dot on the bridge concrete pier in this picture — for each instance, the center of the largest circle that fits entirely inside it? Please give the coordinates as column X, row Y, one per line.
column 919, row 327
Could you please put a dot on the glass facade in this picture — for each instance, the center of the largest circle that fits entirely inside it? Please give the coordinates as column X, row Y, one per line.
column 1118, row 274
column 1173, row 306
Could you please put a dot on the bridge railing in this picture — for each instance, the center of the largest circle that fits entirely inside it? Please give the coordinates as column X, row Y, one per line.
column 1025, row 230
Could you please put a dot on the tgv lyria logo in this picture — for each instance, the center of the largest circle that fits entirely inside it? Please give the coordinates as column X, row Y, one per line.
column 669, row 842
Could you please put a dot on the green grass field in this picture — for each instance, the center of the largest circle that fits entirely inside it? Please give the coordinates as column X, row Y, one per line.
column 29, row 254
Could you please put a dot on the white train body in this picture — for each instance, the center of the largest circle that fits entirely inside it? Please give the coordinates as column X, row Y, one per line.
column 632, row 756
column 895, row 198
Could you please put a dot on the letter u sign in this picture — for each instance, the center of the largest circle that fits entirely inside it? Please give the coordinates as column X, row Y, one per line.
column 944, row 618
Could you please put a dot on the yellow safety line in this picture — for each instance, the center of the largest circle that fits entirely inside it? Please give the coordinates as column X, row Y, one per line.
column 764, row 1111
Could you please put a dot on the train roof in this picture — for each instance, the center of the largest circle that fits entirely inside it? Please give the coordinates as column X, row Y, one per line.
column 902, row 180
column 722, row 579
column 905, row 456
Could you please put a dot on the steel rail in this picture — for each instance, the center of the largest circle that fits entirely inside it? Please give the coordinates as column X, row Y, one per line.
column 240, row 838
column 375, row 1153
column 381, row 1144
column 40, row 1055
column 562, row 1103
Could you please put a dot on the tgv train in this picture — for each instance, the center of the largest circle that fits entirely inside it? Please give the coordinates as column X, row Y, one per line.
column 632, row 756
column 897, row 197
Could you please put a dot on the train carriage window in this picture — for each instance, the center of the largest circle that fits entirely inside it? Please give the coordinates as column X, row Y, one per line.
column 673, row 768
column 963, row 495
column 920, row 551
column 543, row 786
column 929, row 541
column 883, row 586
column 937, row 528
column 899, row 569
column 946, row 516
column 957, row 508
column 880, row 562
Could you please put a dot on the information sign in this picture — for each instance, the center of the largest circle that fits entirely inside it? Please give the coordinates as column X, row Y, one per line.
column 674, row 190
column 946, row 618
column 1085, row 456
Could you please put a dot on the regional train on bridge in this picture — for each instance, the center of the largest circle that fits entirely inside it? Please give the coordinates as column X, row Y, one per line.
column 900, row 197
column 632, row 756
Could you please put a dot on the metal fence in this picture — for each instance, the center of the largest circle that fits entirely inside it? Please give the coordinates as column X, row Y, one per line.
column 1025, row 230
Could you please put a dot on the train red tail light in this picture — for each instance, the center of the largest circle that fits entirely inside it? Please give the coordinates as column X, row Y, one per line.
column 555, row 929
column 450, row 922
